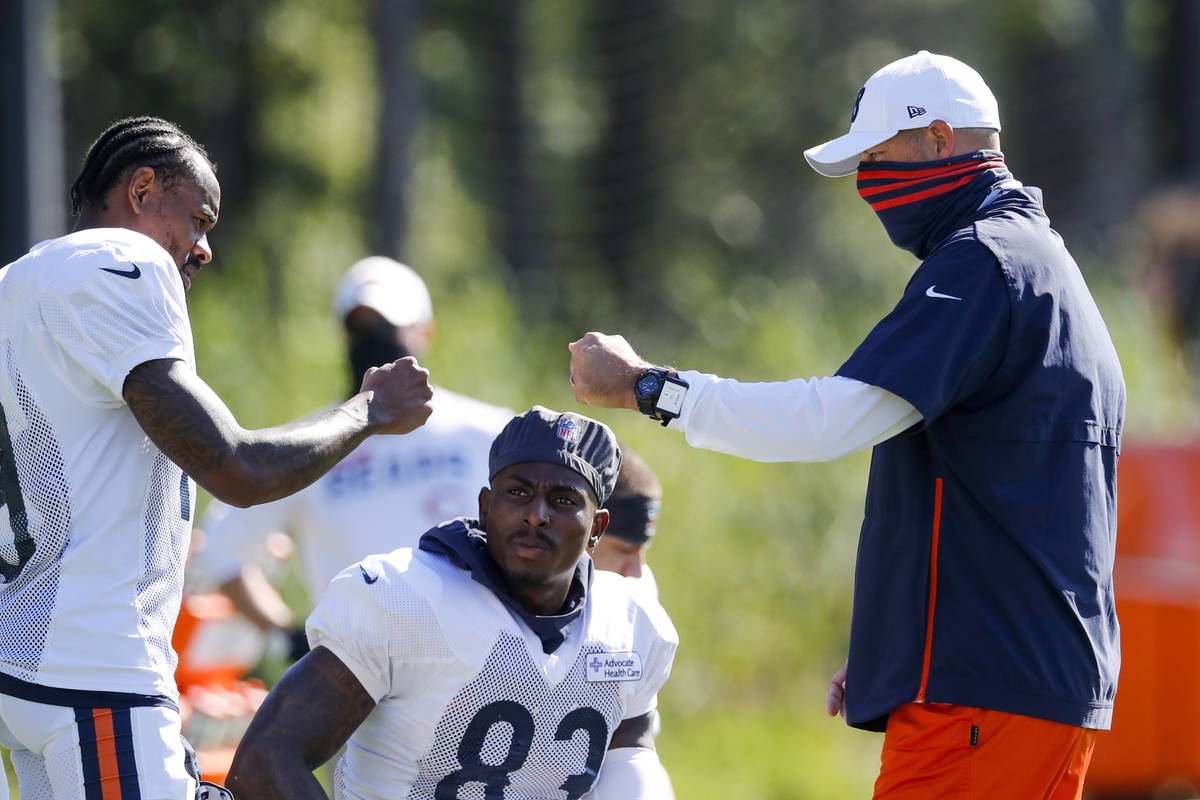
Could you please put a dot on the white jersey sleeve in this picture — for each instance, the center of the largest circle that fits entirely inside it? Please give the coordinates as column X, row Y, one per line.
column 655, row 636
column 652, row 638
column 125, row 307
column 382, row 631
column 631, row 773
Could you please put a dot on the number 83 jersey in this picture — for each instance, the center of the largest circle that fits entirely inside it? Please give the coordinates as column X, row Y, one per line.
column 468, row 704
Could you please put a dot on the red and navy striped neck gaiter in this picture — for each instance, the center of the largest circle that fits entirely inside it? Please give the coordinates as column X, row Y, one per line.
column 922, row 203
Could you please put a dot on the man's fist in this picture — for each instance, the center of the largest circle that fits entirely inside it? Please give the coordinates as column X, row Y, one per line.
column 401, row 396
column 604, row 369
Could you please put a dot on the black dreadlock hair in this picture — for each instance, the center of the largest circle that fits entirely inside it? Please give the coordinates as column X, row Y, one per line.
column 133, row 142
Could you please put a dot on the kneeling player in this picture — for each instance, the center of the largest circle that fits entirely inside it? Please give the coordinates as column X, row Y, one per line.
column 491, row 661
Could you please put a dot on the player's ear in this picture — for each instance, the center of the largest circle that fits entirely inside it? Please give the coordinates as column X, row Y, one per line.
column 599, row 525
column 139, row 187
column 485, row 497
column 943, row 138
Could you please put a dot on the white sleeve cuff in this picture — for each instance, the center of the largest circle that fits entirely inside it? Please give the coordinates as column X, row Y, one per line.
column 631, row 773
column 367, row 677
column 698, row 383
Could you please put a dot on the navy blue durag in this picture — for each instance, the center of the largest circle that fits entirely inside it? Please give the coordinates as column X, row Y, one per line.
column 464, row 544
column 921, row 203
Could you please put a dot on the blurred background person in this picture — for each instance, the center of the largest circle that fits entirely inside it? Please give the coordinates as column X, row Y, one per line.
column 384, row 497
column 633, row 510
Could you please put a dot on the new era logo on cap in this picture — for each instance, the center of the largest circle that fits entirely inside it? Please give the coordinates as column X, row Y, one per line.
column 909, row 93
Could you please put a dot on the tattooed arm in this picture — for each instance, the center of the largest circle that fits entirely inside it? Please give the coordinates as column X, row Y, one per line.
column 196, row 430
column 309, row 714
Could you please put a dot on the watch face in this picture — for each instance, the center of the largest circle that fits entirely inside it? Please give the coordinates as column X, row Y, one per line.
column 671, row 399
column 647, row 385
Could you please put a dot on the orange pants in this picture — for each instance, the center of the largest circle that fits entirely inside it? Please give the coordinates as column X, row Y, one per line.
column 935, row 751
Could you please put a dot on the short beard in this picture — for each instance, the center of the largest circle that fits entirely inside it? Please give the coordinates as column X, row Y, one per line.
column 525, row 580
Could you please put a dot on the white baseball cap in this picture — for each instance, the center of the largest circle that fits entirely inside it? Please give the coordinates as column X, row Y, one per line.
column 387, row 286
column 909, row 93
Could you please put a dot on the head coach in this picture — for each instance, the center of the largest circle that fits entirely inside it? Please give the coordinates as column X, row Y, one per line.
column 984, row 636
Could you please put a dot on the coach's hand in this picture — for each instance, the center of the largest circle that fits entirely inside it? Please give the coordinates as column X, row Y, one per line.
column 835, row 700
column 401, row 395
column 604, row 369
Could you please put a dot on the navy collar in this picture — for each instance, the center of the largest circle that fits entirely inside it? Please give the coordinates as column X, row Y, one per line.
column 461, row 542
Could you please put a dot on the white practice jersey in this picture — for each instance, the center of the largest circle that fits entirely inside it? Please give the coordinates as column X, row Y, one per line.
column 469, row 706
column 382, row 496
column 95, row 520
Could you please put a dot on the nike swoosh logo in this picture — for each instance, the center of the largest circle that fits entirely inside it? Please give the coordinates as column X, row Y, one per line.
column 134, row 273
column 931, row 293
column 368, row 577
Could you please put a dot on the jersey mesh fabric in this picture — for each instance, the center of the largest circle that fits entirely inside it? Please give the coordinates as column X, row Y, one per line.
column 556, row 751
column 469, row 705
column 168, row 533
column 27, row 599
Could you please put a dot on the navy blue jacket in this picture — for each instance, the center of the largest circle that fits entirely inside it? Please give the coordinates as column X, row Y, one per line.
column 984, row 573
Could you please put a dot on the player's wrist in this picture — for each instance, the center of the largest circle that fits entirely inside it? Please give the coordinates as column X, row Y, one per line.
column 360, row 409
column 629, row 381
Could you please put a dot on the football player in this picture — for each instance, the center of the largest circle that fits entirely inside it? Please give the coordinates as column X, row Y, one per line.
column 633, row 518
column 490, row 661
column 105, row 430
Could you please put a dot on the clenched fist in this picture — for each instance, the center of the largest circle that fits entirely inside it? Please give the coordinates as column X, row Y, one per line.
column 603, row 370
column 401, row 396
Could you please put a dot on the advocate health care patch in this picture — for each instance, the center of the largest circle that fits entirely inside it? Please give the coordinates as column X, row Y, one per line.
column 605, row 667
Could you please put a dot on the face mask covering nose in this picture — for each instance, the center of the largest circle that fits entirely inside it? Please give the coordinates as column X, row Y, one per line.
column 920, row 203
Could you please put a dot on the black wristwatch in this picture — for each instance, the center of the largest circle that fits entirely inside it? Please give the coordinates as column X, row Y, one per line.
column 659, row 394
